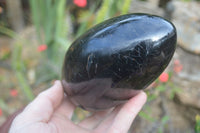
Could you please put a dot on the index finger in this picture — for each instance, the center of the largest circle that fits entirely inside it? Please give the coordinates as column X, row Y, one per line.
column 127, row 114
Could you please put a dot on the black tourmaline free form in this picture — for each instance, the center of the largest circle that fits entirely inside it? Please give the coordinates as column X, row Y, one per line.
column 116, row 59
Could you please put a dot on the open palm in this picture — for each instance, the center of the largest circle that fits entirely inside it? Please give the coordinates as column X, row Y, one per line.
column 51, row 112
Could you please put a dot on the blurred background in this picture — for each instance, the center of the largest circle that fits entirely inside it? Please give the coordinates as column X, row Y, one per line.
column 35, row 34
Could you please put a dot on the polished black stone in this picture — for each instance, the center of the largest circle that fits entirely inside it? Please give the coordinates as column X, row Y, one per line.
column 117, row 58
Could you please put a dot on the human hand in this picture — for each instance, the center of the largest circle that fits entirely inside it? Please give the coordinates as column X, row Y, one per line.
column 51, row 112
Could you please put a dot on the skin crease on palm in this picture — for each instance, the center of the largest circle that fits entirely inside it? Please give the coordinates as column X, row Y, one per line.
column 51, row 112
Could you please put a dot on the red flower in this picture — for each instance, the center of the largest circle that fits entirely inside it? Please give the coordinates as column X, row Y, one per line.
column 42, row 47
column 13, row 92
column 164, row 77
column 80, row 3
column 177, row 66
column 1, row 112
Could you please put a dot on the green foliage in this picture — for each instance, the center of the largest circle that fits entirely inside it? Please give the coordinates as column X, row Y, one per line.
column 146, row 116
column 103, row 12
column 3, row 105
column 197, row 126
column 18, row 64
column 20, row 70
column 161, row 88
column 165, row 119
column 7, row 32
column 49, row 19
column 163, row 123
column 126, row 6
column 111, row 8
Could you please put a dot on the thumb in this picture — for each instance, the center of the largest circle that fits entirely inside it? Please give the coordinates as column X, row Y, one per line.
column 43, row 106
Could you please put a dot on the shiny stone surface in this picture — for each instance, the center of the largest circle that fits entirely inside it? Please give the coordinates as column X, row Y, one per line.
column 116, row 59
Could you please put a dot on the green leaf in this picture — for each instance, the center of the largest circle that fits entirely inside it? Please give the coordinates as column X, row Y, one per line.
column 103, row 12
column 126, row 6
column 165, row 119
column 151, row 97
column 197, row 125
column 161, row 88
column 146, row 116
